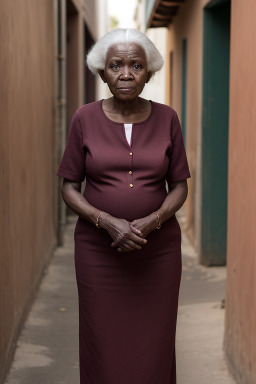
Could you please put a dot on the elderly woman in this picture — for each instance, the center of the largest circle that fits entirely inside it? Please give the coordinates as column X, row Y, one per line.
column 127, row 238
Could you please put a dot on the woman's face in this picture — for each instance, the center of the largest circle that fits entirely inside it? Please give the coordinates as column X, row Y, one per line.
column 126, row 70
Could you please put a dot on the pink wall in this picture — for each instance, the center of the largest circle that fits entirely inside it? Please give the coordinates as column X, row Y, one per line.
column 240, row 332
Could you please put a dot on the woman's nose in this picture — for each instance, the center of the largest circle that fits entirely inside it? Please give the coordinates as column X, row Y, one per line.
column 126, row 73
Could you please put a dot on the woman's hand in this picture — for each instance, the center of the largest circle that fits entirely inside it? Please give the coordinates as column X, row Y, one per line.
column 125, row 238
column 119, row 229
column 173, row 201
column 145, row 225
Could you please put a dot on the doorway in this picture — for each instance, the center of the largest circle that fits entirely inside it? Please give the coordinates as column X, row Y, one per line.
column 215, row 120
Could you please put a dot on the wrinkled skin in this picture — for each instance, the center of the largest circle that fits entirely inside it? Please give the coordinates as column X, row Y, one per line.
column 125, row 73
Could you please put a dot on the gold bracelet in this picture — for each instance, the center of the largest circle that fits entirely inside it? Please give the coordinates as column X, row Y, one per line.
column 159, row 222
column 97, row 220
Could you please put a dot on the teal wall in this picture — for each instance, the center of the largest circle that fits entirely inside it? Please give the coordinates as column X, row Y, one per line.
column 216, row 53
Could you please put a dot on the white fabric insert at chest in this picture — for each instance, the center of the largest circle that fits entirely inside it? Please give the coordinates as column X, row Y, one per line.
column 128, row 132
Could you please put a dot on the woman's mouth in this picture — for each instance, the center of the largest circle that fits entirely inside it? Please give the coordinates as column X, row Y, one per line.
column 125, row 89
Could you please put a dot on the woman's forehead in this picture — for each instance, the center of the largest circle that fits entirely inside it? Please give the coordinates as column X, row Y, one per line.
column 125, row 49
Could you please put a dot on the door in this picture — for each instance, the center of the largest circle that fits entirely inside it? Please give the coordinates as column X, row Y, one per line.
column 216, row 54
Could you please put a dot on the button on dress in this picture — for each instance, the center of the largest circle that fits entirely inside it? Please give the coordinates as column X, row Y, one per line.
column 127, row 301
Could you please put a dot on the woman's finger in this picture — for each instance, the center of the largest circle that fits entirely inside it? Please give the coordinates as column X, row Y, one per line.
column 135, row 230
column 129, row 245
column 125, row 247
column 116, row 242
column 133, row 245
column 137, row 239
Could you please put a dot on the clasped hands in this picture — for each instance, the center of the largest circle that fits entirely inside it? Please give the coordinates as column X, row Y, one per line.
column 129, row 236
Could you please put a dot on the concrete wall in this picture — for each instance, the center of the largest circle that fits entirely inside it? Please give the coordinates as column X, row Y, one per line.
column 89, row 11
column 102, row 91
column 27, row 214
column 240, row 333
column 155, row 89
column 86, row 22
column 188, row 24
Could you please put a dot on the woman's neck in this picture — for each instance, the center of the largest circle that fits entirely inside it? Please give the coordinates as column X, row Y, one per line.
column 127, row 111
column 126, row 108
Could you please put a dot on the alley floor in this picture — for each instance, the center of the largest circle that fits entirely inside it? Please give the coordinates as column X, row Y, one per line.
column 47, row 351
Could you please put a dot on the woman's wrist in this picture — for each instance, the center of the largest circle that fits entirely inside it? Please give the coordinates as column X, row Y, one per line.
column 98, row 220
column 158, row 225
column 105, row 220
column 162, row 215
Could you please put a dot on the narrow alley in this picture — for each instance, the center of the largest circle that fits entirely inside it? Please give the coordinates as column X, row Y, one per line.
column 208, row 79
column 47, row 350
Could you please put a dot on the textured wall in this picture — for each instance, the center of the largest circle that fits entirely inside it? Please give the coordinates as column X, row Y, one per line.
column 27, row 234
column 240, row 333
column 188, row 24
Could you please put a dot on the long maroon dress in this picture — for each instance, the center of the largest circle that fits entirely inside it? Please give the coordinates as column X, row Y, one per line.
column 127, row 302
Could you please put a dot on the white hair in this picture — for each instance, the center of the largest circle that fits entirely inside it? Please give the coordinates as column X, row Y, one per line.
column 96, row 57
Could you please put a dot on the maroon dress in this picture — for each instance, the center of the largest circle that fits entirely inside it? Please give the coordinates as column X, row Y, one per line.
column 127, row 301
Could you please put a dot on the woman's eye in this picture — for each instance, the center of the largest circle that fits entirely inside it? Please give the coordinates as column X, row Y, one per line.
column 115, row 66
column 137, row 66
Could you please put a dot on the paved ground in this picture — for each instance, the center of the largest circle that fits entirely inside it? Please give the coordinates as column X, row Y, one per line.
column 47, row 351
column 200, row 328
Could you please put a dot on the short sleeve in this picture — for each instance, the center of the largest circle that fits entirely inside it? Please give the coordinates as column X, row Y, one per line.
column 178, row 169
column 72, row 166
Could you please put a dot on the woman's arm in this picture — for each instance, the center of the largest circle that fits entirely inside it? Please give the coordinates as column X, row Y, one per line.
column 71, row 193
column 174, row 200
column 172, row 203
column 119, row 229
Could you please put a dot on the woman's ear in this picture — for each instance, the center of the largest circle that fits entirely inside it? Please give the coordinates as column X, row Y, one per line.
column 102, row 75
column 149, row 77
